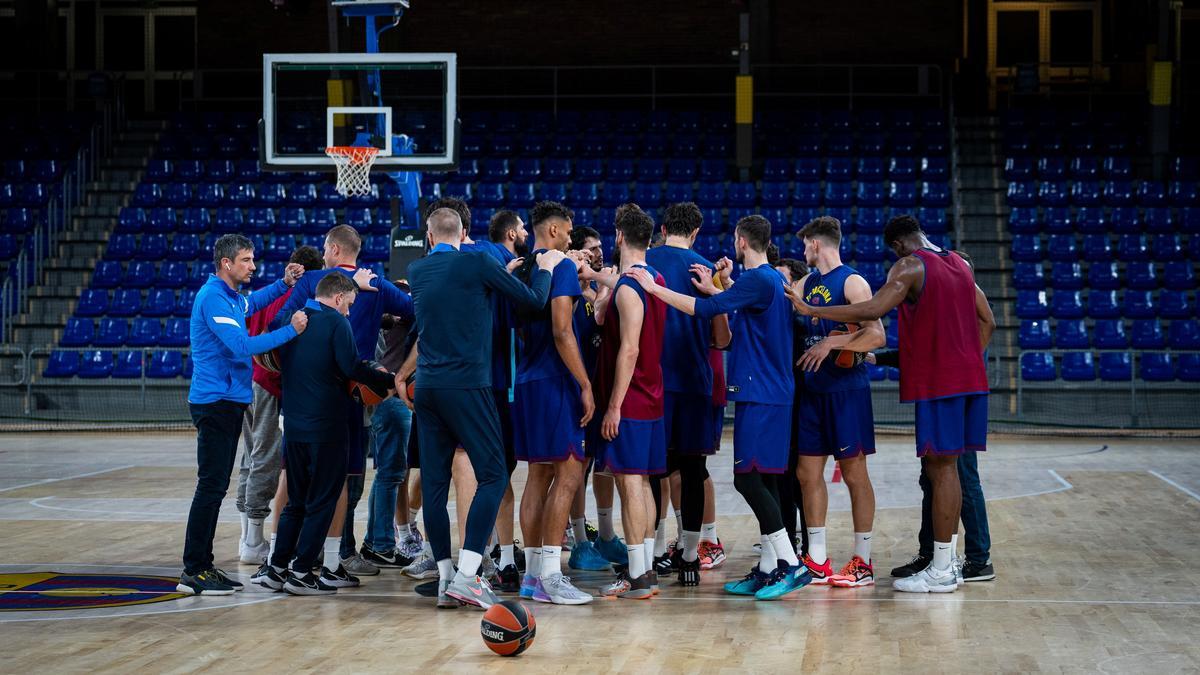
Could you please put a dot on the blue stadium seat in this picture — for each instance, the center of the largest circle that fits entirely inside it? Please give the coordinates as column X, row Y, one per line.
column 146, row 333
column 839, row 169
column 1116, row 367
column 1110, row 334
column 1104, row 276
column 1027, row 248
column 1062, row 248
column 146, row 195
column 292, row 220
column 1103, row 305
column 1033, row 334
column 902, row 194
column 140, row 274
column 869, row 248
column 936, row 169
column 1139, row 305
column 1097, row 248
column 650, row 170
column 278, row 249
column 842, row 194
column 1091, row 220
column 217, row 171
column 807, row 194
column 1027, row 276
column 625, row 145
column 62, row 364
column 874, row 273
column 171, row 275
column 679, row 192
column 1168, row 247
column 377, row 247
column 194, row 220
column 1133, row 248
column 715, row 169
column 184, row 247
column 681, row 169
column 935, row 194
column 113, row 332
column 176, row 195
column 1058, row 220
column 1156, row 367
column 778, row 217
column 741, row 194
column 1124, row 220
column 1176, row 305
column 555, row 192
column 130, row 220
column 902, row 169
column 107, row 274
column 159, row 302
column 128, row 365
column 198, row 274
column 160, row 220
column 303, row 193
column 648, row 195
column 92, row 302
column 125, row 302
column 329, row 197
column 1067, row 305
column 494, row 169
column 259, row 220
column 775, row 193
column 247, row 171
column 78, row 332
column 492, row 194
column 1038, row 367
column 159, row 170
column 1067, row 276
column 1024, row 220
column 589, row 170
column 1179, row 275
column 527, row 169
column 121, row 247
column 592, row 145
column 1052, row 193
column 1085, row 168
column 1147, row 334
column 533, row 145
column 1018, row 168
column 1183, row 334
column 876, row 144
column 613, row 195
column 1183, row 193
column 1072, row 334
column 1051, row 168
column 806, row 168
column 241, row 194
column 869, row 220
column 229, row 219
column 1118, row 193
column 1032, row 305
column 164, row 365
column 620, row 170
column 1189, row 368
column 320, row 221
column 871, row 169
column 1157, row 220
column 1078, row 367
column 1141, row 275
column 1082, row 193
column 1151, row 194
column 175, row 334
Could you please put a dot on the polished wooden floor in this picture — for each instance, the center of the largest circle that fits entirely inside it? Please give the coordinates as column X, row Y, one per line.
column 1096, row 544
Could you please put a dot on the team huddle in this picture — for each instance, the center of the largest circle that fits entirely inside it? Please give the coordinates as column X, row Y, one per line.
column 508, row 351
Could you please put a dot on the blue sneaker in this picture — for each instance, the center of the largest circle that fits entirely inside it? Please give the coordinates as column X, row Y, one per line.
column 584, row 556
column 613, row 550
column 749, row 584
column 532, row 589
column 784, row 580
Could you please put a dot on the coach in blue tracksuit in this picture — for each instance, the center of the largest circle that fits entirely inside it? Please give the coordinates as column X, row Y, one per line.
column 220, row 393
column 452, row 295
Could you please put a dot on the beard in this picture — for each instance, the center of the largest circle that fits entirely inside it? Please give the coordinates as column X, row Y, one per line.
column 521, row 248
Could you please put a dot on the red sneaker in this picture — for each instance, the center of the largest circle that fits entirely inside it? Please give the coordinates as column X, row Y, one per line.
column 711, row 555
column 820, row 573
column 856, row 573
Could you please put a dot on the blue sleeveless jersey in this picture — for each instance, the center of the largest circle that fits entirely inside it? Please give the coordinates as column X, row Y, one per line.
column 824, row 291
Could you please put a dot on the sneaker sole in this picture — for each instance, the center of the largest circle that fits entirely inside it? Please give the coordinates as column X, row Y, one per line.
column 470, row 601
column 852, row 584
column 338, row 583
column 986, row 577
column 383, row 564
column 305, row 590
column 636, row 595
column 369, row 573
column 422, row 576
column 183, row 588
column 928, row 589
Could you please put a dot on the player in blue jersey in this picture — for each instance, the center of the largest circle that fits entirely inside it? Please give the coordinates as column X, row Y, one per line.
column 760, row 383
column 552, row 404
column 687, row 379
column 835, row 417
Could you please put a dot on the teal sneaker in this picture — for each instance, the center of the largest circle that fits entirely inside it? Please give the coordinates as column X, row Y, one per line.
column 784, row 580
column 613, row 550
column 584, row 556
column 749, row 584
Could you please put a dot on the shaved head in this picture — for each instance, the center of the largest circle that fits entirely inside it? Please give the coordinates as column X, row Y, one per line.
column 444, row 224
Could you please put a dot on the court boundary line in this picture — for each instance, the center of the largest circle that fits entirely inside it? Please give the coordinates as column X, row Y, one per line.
column 89, row 474
column 1175, row 485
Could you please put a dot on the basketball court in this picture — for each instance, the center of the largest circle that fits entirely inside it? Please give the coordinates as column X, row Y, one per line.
column 1094, row 543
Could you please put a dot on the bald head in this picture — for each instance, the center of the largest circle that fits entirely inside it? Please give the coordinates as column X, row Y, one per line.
column 445, row 225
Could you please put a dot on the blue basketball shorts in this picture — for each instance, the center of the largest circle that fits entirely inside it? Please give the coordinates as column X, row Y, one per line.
column 760, row 437
column 837, row 423
column 951, row 426
column 688, row 422
column 546, row 416
column 639, row 449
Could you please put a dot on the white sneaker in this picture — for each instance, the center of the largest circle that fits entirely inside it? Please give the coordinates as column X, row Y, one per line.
column 957, row 564
column 253, row 555
column 356, row 565
column 424, row 567
column 561, row 592
column 928, row 580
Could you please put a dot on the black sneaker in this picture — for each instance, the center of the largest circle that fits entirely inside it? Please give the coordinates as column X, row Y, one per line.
column 689, row 572
column 338, row 578
column 203, row 583
column 918, row 563
column 392, row 558
column 271, row 577
column 664, row 565
column 510, row 580
column 228, row 580
column 592, row 532
column 309, row 584
column 519, row 555
column 977, row 571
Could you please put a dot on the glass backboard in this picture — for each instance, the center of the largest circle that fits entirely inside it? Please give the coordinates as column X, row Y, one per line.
column 312, row 101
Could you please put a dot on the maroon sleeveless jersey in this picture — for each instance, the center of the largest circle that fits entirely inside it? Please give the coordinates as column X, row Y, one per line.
column 940, row 354
column 644, row 398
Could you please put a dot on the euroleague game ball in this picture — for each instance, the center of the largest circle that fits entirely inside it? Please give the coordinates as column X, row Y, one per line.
column 365, row 394
column 268, row 361
column 508, row 628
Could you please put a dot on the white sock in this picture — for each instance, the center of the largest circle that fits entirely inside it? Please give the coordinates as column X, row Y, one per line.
column 245, row 526
column 333, row 549
column 533, row 561
column 816, row 545
column 678, row 526
column 691, row 545
column 604, row 523
column 579, row 525
column 942, row 551
column 637, row 560
column 551, row 561
column 708, row 532
column 766, row 559
column 469, row 562
column 660, row 538
column 507, row 555
column 953, row 546
column 445, row 569
column 648, row 552
column 862, row 545
column 783, row 547
column 254, row 532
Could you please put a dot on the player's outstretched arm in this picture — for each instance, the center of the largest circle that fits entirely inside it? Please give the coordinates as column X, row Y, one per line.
column 681, row 302
column 905, row 275
column 532, row 297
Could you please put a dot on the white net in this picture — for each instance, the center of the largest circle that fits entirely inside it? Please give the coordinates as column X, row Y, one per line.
column 353, row 168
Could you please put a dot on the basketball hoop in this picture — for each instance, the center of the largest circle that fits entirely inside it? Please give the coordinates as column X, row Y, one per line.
column 353, row 168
